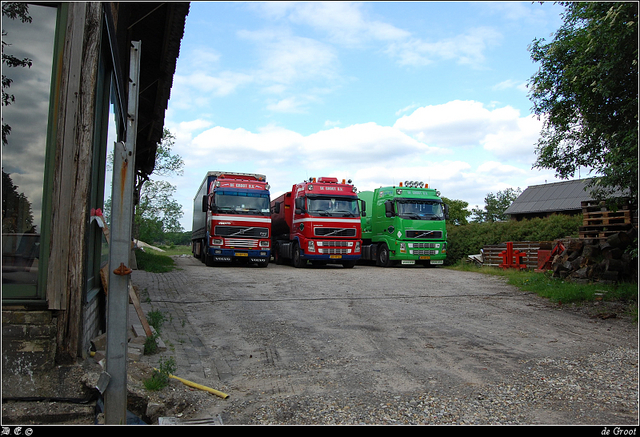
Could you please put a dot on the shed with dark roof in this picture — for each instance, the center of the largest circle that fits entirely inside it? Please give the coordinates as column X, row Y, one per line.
column 556, row 198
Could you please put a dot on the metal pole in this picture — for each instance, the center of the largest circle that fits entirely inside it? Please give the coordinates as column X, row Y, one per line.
column 115, row 395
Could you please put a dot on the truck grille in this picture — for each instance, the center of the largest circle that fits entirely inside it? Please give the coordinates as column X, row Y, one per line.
column 424, row 252
column 425, row 245
column 238, row 242
column 241, row 231
column 335, row 232
column 334, row 243
column 334, row 251
column 424, row 234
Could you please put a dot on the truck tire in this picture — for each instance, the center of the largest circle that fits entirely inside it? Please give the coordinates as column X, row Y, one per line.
column 201, row 251
column 298, row 262
column 208, row 259
column 383, row 256
column 277, row 257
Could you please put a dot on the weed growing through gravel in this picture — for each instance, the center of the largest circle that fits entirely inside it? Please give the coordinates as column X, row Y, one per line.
column 160, row 376
column 155, row 319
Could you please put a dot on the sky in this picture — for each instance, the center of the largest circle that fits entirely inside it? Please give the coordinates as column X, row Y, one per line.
column 375, row 92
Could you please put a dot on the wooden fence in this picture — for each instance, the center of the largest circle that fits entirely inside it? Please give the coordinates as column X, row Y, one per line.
column 492, row 257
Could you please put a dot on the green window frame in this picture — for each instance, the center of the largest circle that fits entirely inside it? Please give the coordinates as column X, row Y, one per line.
column 19, row 291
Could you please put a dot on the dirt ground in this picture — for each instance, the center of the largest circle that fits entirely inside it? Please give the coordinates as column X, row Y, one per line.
column 264, row 335
column 277, row 336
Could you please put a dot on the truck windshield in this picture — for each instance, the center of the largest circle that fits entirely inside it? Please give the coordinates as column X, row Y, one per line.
column 333, row 206
column 420, row 209
column 242, row 203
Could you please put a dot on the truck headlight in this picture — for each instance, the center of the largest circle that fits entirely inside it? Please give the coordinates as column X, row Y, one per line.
column 311, row 247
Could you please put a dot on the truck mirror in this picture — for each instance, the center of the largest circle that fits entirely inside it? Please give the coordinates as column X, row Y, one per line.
column 205, row 205
column 276, row 208
column 363, row 206
column 446, row 211
column 388, row 208
column 299, row 205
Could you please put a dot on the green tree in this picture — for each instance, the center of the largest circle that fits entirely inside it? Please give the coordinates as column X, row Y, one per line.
column 586, row 90
column 495, row 205
column 157, row 212
column 458, row 212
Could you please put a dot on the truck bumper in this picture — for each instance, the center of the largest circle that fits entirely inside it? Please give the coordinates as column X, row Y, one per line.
column 336, row 258
column 408, row 258
column 229, row 255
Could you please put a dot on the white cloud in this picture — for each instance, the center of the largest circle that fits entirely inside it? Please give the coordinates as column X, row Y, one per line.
column 343, row 23
column 509, row 84
column 515, row 139
column 463, row 124
column 465, row 49
column 495, row 168
column 287, row 59
column 288, row 105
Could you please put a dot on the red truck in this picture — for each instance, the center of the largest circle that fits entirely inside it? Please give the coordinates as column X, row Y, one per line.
column 317, row 221
column 232, row 219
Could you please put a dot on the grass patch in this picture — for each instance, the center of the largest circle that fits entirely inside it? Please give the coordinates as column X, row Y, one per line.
column 175, row 250
column 556, row 289
column 151, row 261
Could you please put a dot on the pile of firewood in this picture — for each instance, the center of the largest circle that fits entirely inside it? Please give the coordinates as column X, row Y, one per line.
column 603, row 260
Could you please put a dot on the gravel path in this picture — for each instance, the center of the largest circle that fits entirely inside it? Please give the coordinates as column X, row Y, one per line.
column 551, row 392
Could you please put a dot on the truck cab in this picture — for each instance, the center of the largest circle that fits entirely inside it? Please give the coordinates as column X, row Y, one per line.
column 404, row 225
column 232, row 220
column 317, row 221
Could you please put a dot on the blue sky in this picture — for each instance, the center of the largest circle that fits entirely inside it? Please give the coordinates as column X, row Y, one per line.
column 378, row 92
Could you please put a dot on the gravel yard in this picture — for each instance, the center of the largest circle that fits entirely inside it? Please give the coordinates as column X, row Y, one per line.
column 325, row 346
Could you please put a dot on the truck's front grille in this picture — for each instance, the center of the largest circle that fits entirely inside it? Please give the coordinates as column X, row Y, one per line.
column 334, row 243
column 241, row 231
column 425, row 245
column 333, row 251
column 424, row 252
column 238, row 242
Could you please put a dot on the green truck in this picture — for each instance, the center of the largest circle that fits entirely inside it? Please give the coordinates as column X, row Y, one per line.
column 404, row 225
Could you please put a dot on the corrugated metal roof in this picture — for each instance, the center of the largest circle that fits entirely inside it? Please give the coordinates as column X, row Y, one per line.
column 559, row 196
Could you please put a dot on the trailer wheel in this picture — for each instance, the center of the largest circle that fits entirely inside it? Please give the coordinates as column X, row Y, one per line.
column 383, row 256
column 297, row 257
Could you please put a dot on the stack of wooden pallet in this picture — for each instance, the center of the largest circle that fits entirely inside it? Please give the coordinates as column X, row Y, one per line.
column 598, row 223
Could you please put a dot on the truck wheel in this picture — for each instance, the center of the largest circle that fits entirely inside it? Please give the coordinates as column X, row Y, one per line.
column 276, row 256
column 383, row 256
column 297, row 258
column 208, row 259
column 201, row 251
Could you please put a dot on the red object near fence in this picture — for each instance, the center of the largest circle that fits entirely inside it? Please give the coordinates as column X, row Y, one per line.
column 512, row 258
